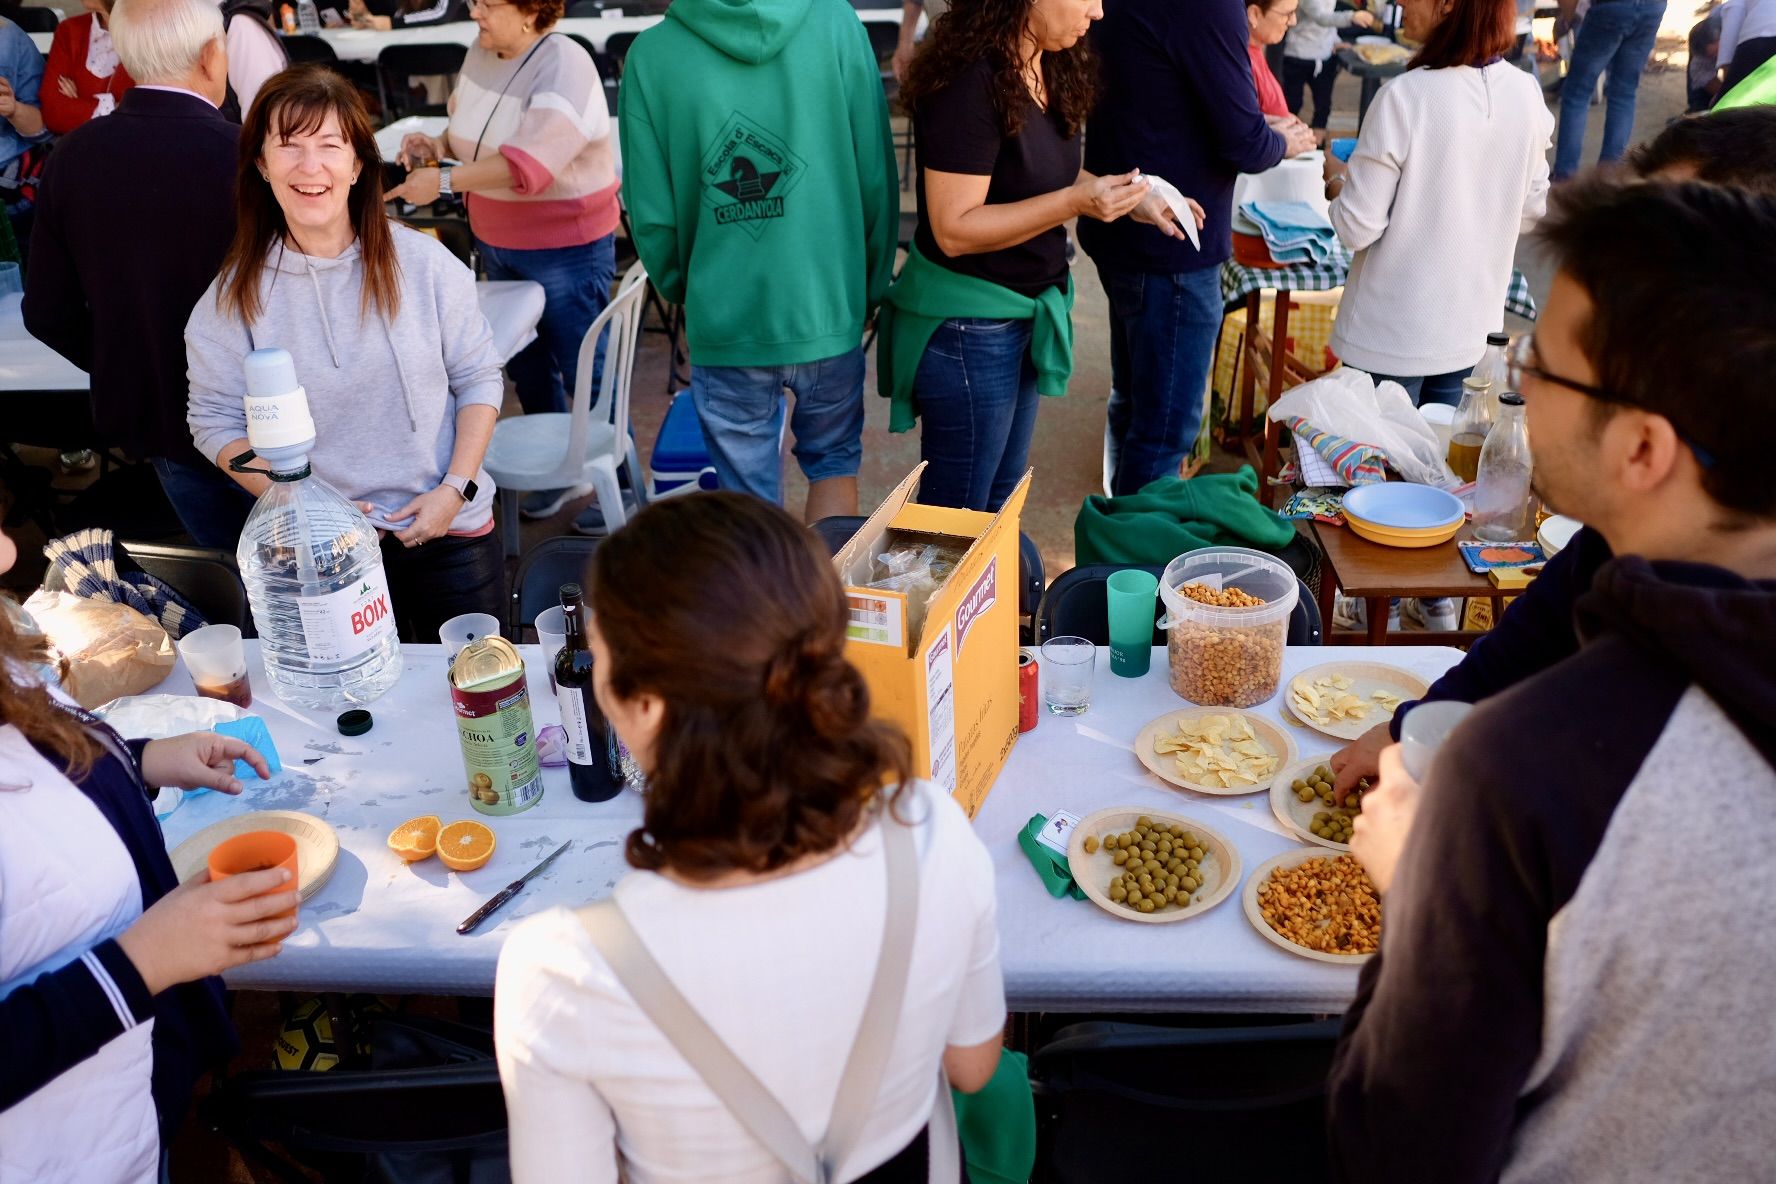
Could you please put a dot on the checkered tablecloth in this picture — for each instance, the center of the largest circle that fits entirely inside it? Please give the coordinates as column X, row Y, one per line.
column 1239, row 281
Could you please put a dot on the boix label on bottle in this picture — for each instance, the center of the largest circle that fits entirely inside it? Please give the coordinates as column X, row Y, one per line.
column 341, row 624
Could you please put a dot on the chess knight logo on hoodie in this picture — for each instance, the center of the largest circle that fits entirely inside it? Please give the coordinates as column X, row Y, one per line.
column 747, row 175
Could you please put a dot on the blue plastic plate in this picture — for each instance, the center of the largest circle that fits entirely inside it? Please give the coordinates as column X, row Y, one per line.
column 1404, row 505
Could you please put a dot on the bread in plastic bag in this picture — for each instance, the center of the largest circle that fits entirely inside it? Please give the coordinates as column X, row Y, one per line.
column 106, row 649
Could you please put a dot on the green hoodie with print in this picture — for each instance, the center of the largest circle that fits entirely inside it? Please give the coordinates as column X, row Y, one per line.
column 759, row 176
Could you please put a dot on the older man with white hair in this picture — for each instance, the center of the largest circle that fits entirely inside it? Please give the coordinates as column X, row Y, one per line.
column 133, row 218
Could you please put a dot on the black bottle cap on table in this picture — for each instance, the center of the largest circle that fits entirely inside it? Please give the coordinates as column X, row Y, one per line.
column 1498, row 339
column 570, row 595
column 355, row 722
column 1511, row 400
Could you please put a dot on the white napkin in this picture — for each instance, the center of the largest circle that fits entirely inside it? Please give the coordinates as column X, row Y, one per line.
column 1169, row 193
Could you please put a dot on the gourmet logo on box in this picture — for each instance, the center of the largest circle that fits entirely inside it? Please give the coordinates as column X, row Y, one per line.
column 981, row 598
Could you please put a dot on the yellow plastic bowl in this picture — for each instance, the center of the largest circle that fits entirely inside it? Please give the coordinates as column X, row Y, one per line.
column 1395, row 537
column 1403, row 531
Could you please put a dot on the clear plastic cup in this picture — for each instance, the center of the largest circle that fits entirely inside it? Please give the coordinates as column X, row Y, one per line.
column 459, row 631
column 217, row 660
column 551, row 627
column 1224, row 656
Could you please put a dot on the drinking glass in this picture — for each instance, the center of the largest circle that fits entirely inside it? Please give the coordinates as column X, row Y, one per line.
column 1067, row 666
column 217, row 660
column 551, row 627
column 1129, row 599
column 458, row 632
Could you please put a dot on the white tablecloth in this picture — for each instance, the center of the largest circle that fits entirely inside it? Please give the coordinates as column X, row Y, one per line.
column 1298, row 179
column 513, row 308
column 382, row 925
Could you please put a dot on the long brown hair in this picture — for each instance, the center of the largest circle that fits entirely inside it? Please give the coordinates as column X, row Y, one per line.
column 296, row 102
column 993, row 30
column 729, row 610
column 1471, row 33
column 27, row 706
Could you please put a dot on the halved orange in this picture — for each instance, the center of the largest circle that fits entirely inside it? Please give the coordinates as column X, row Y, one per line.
column 465, row 846
column 417, row 838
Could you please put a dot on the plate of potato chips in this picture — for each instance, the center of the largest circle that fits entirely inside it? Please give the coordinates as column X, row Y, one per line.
column 1346, row 699
column 1214, row 750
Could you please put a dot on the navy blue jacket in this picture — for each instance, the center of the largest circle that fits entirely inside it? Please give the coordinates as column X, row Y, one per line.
column 1178, row 101
column 1536, row 632
column 54, row 1022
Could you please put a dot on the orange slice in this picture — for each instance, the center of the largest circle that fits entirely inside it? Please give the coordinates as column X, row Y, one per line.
column 465, row 846
column 416, row 839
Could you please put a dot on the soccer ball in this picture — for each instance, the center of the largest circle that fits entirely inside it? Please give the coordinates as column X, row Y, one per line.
column 306, row 1043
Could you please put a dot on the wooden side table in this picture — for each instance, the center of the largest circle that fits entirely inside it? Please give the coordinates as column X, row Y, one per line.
column 1376, row 574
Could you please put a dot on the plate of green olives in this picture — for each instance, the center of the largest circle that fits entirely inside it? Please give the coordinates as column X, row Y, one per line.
column 1151, row 865
column 1301, row 797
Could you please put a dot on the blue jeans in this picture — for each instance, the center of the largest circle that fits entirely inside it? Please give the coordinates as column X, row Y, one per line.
column 210, row 506
column 741, row 409
column 976, row 391
column 1617, row 36
column 1162, row 343
column 576, row 287
column 1430, row 388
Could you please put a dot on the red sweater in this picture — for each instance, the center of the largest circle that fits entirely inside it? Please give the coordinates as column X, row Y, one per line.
column 67, row 59
column 1270, row 91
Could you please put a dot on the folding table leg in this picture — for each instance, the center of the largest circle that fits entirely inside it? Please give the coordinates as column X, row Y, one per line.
column 1377, row 611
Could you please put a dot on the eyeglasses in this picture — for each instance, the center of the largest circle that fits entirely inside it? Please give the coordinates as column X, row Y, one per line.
column 1521, row 362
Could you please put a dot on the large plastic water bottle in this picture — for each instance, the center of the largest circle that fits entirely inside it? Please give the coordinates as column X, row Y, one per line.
column 310, row 559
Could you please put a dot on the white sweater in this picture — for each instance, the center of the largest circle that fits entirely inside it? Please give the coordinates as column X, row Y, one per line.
column 780, row 970
column 1450, row 169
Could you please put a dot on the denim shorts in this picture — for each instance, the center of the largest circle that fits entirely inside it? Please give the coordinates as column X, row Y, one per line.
column 742, row 409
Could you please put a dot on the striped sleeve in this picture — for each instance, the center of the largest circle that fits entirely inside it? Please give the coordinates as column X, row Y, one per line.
column 564, row 111
column 59, row 1019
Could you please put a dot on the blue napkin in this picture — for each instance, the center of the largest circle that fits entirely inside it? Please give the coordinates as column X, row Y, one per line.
column 252, row 730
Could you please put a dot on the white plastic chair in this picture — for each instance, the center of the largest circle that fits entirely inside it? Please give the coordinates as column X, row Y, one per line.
column 587, row 444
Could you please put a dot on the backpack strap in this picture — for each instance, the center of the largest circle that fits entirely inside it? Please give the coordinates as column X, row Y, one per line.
column 737, row 1087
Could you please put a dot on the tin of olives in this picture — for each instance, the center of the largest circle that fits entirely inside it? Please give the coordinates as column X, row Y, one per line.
column 494, row 725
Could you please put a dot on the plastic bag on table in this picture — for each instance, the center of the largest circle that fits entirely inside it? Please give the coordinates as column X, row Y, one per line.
column 910, row 573
column 1348, row 403
column 106, row 649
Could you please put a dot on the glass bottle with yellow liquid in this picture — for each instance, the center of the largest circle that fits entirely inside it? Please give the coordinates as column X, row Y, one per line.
column 1473, row 420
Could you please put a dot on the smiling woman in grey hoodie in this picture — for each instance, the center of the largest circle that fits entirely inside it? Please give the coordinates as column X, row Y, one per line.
column 388, row 340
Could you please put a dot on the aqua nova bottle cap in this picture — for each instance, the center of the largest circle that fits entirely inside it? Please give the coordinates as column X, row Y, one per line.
column 279, row 427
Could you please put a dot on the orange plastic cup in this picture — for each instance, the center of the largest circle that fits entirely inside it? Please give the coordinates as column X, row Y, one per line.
column 257, row 850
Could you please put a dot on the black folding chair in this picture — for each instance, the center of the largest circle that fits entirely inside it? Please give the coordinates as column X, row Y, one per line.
column 1077, row 605
column 34, row 19
column 304, row 48
column 442, row 1120
column 836, row 531
column 208, row 579
column 536, row 585
column 397, row 63
column 1243, row 1103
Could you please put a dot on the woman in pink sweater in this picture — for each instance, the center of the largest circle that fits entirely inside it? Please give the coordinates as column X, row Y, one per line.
column 529, row 142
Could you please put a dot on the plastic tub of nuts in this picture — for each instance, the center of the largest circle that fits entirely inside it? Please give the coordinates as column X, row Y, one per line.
column 1227, row 615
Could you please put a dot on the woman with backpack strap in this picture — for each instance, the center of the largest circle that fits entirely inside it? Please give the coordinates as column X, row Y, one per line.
column 804, row 918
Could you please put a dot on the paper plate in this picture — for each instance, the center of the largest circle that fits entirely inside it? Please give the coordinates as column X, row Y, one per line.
column 1373, row 39
column 1093, row 872
column 1366, row 678
column 1294, row 813
column 1249, row 897
column 317, row 846
column 1404, row 505
column 1556, row 533
column 1166, row 769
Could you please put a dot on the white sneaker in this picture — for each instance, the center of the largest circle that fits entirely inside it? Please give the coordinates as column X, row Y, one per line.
column 1352, row 615
column 1441, row 614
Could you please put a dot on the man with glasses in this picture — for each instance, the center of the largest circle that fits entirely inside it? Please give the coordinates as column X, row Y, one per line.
column 1567, row 953
column 1735, row 148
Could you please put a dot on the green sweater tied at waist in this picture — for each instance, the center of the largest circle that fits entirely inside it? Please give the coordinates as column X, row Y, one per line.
column 928, row 294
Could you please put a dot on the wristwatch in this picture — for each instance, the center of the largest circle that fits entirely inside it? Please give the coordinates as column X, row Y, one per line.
column 444, row 190
column 462, row 485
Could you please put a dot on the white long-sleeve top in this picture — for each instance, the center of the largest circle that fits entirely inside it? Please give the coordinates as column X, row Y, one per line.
column 1450, row 169
column 780, row 970
column 1315, row 35
column 1742, row 21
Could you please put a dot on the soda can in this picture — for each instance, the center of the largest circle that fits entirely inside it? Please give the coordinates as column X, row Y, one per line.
column 493, row 722
column 1029, row 692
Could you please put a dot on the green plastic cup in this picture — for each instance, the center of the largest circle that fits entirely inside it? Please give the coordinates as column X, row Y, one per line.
column 1130, row 595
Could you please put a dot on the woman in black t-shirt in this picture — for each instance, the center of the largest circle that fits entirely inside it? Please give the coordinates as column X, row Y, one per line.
column 980, row 319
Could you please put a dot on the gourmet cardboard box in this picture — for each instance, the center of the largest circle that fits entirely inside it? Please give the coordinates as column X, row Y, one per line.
column 952, row 681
